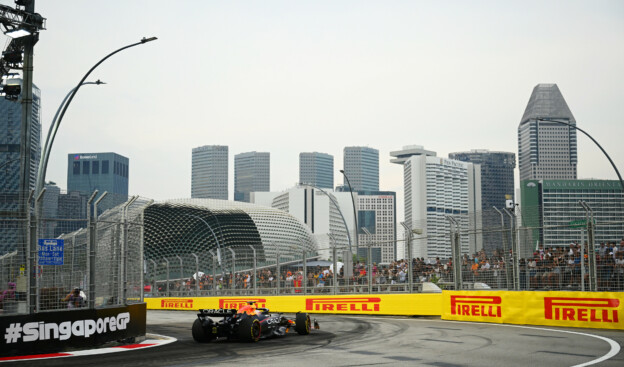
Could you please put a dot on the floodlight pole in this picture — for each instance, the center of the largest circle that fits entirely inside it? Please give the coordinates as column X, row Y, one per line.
column 25, row 134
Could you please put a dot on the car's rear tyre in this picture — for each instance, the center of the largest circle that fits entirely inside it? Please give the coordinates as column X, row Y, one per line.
column 302, row 323
column 199, row 333
column 249, row 330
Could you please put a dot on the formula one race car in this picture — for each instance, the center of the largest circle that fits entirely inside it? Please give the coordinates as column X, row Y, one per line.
column 249, row 324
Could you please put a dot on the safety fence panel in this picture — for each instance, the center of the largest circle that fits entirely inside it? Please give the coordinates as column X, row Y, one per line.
column 72, row 258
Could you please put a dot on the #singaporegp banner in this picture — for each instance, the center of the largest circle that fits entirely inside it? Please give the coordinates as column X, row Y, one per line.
column 604, row 310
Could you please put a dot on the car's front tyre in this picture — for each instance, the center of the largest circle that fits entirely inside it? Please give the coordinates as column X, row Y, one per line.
column 249, row 330
column 302, row 323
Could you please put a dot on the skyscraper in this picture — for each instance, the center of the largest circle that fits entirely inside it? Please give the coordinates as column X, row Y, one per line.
column 110, row 172
column 361, row 166
column 377, row 225
column 10, row 126
column 547, row 150
column 497, row 183
column 252, row 172
column 436, row 188
column 209, row 177
column 317, row 169
column 10, row 176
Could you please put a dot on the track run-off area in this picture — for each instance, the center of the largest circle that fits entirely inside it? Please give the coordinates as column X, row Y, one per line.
column 344, row 340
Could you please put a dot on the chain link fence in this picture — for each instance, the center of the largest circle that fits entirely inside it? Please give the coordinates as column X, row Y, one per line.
column 78, row 260
column 103, row 257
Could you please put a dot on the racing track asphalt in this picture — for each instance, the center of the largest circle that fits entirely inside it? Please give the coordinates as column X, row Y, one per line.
column 368, row 341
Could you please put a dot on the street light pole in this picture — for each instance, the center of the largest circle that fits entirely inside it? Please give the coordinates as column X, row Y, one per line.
column 216, row 240
column 592, row 139
column 45, row 153
column 40, row 180
column 355, row 227
column 337, row 208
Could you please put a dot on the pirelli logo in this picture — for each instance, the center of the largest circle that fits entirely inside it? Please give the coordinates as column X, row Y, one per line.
column 581, row 309
column 484, row 306
column 369, row 304
column 176, row 303
column 240, row 302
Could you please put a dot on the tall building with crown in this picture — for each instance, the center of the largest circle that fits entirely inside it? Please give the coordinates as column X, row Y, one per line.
column 547, row 149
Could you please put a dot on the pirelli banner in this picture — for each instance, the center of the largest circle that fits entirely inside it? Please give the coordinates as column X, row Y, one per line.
column 568, row 309
column 378, row 304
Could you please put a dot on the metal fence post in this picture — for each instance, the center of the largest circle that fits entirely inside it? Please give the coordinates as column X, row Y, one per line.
column 255, row 264
column 31, row 258
column 167, row 283
column 90, row 247
column 124, row 248
column 277, row 275
column 410, row 269
column 181, row 267
column 514, row 250
column 233, row 273
column 214, row 272
column 505, row 252
column 591, row 255
column 38, row 231
column 154, row 284
column 196, row 274
column 305, row 273
column 93, row 253
column 456, row 253
column 335, row 260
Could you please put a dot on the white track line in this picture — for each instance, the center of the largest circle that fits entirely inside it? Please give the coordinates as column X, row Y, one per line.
column 615, row 347
column 148, row 343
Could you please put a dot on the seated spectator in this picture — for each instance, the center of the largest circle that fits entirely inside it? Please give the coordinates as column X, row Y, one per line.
column 74, row 299
column 8, row 294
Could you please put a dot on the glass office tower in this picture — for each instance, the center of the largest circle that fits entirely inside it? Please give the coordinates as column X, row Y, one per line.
column 361, row 166
column 252, row 173
column 317, row 169
column 209, row 177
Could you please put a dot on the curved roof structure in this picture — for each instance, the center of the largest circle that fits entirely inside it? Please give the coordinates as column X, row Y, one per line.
column 210, row 228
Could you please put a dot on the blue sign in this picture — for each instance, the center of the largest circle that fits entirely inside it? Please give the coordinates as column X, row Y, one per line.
column 51, row 251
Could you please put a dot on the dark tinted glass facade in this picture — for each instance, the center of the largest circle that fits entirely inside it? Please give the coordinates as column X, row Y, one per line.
column 88, row 172
column 497, row 183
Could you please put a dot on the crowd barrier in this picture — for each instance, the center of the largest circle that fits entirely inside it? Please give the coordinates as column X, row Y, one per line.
column 566, row 309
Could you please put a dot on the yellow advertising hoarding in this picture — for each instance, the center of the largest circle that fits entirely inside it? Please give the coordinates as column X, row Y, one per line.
column 378, row 304
column 602, row 310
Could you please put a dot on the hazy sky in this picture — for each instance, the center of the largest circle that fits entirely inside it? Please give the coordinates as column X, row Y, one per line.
column 300, row 76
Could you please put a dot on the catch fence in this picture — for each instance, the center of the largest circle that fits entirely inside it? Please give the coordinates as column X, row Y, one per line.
column 105, row 257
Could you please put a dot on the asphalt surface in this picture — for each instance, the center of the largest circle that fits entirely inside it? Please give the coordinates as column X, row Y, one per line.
column 368, row 341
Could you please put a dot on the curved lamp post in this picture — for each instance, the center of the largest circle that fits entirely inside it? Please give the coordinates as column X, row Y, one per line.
column 336, row 205
column 41, row 178
column 355, row 228
column 45, row 153
column 216, row 240
column 592, row 139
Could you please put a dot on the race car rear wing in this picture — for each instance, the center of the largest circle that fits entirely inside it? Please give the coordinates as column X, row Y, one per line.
column 220, row 312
